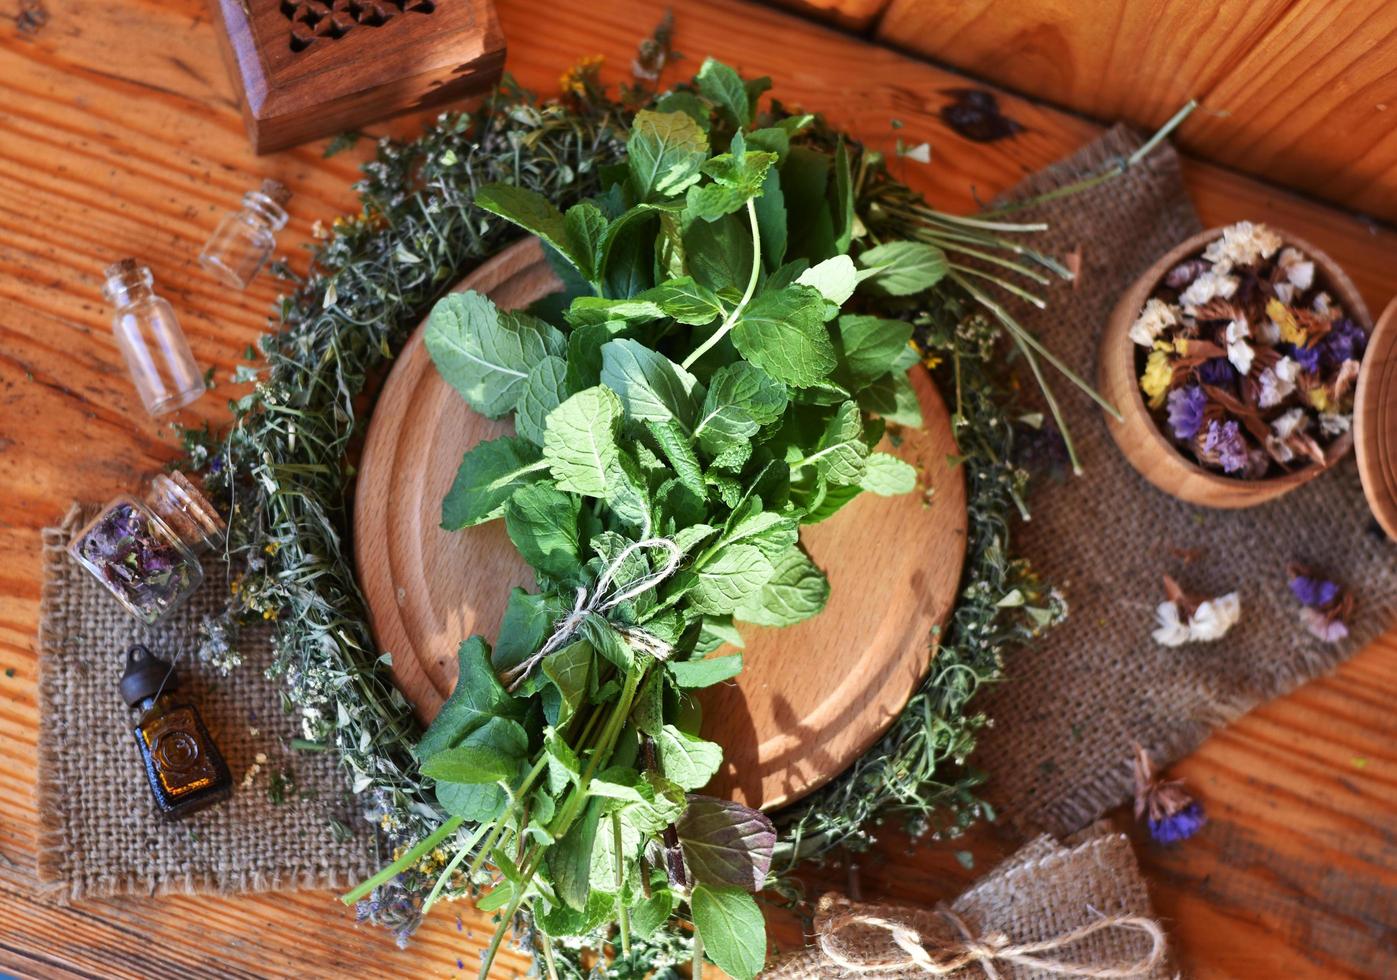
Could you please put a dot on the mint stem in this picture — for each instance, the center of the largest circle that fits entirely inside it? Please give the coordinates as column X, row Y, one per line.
column 413, row 855
column 731, row 319
column 620, row 886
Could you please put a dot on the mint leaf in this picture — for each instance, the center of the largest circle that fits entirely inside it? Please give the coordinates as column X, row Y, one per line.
column 904, row 268
column 664, row 152
column 470, row 764
column 871, row 345
column 652, row 387
column 579, row 443
column 490, row 473
column 728, row 579
column 585, row 227
column 835, row 279
column 784, row 334
column 767, row 531
column 486, row 354
column 893, row 398
column 508, row 741
column 741, row 398
column 840, row 455
column 723, row 86
column 832, row 501
column 771, row 219
column 888, row 476
column 598, row 309
column 843, row 209
column 584, row 354
column 686, row 301
column 718, row 254
column 673, row 440
column 542, row 524
column 477, row 697
column 712, row 201
column 732, row 929
column 544, row 390
column 652, row 913
column 726, row 843
column 534, row 213
column 570, row 670
column 570, row 859
column 528, row 621
column 687, row 760
column 705, row 672
column 796, row 591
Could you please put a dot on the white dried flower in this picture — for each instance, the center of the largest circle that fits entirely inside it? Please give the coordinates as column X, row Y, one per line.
column 1172, row 631
column 1289, row 423
column 1238, row 329
column 1152, row 321
column 1299, row 271
column 1323, row 303
column 1210, row 621
column 1285, row 292
column 1332, row 424
column 1278, row 382
column 1240, row 353
column 1244, row 243
column 1207, row 286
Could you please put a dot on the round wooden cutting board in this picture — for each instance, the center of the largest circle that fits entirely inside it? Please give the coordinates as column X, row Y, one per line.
column 811, row 698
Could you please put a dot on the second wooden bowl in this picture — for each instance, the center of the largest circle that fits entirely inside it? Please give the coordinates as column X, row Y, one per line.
column 1138, row 435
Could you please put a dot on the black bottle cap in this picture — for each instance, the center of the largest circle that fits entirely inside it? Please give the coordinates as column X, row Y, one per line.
column 146, row 674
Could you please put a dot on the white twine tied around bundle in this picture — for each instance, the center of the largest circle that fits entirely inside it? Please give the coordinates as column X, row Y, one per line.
column 988, row 950
column 600, row 600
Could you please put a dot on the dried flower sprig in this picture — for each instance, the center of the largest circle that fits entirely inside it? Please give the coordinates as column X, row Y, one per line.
column 1169, row 811
column 1247, row 362
column 1185, row 618
column 1324, row 605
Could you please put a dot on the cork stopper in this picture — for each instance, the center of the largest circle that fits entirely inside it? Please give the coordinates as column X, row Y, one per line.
column 276, row 191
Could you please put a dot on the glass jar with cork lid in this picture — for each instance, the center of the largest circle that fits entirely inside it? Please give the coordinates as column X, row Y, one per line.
column 146, row 552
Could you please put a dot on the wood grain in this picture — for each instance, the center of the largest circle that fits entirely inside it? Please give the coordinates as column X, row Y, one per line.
column 1375, row 421
column 853, row 15
column 808, row 701
column 121, row 135
column 1139, row 437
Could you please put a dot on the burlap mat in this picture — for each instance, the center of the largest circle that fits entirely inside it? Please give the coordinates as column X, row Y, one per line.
column 1041, row 893
column 101, row 835
column 1076, row 700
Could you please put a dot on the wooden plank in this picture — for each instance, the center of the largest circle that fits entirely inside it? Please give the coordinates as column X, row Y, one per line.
column 853, row 15
column 121, row 136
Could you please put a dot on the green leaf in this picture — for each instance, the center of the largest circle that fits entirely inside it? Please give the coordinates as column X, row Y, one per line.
column 664, row 152
column 739, row 169
column 904, row 268
column 686, row 102
column 893, row 398
column 784, row 334
column 584, row 354
column 728, row 579
column 712, row 201
column 673, row 440
column 570, row 860
column 888, row 476
column 843, row 209
column 485, row 354
column 570, row 671
column 835, row 279
column 726, row 843
column 542, row 524
column 652, row 913
column 741, row 398
column 723, row 86
column 506, row 739
column 534, row 213
column 771, row 219
column 585, row 227
column 871, row 345
column 544, row 390
column 805, row 182
column 705, row 672
column 767, row 531
column 687, row 760
column 732, row 929
column 841, row 453
column 528, row 621
column 796, row 591
column 599, row 309
column 470, row 764
column 579, row 443
column 686, row 301
column 609, row 643
column 477, row 697
column 490, row 473
column 830, row 504
column 719, row 253
column 652, row 387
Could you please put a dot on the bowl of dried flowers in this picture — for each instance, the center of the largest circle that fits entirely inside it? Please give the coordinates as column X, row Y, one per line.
column 1233, row 361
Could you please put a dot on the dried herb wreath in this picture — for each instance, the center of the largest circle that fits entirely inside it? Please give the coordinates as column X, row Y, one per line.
column 284, row 470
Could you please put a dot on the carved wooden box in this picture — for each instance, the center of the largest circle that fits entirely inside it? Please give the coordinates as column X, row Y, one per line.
column 310, row 68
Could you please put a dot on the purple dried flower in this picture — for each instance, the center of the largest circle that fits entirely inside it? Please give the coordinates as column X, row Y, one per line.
column 1324, row 626
column 1344, row 342
column 1186, row 411
column 1218, row 372
column 216, row 464
column 1224, row 441
column 1178, row 826
column 1306, row 357
column 1313, row 591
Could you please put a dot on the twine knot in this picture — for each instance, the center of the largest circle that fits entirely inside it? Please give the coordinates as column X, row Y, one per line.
column 945, row 958
column 602, row 599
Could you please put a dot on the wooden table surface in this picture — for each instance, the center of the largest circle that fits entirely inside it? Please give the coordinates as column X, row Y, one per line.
column 119, row 135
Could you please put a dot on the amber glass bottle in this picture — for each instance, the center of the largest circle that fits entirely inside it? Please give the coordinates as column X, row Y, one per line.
column 183, row 765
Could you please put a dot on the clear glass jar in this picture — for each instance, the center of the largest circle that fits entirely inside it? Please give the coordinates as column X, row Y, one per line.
column 158, row 357
column 146, row 552
column 244, row 239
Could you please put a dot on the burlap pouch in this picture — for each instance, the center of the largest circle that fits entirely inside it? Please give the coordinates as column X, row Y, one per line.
column 290, row 822
column 1075, row 701
column 1035, row 900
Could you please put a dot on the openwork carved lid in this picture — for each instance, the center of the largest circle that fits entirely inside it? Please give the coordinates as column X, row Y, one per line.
column 318, row 20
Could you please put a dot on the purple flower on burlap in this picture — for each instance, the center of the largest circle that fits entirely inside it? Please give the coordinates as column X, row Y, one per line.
column 1186, row 411
column 1178, row 826
column 1344, row 342
column 1314, row 591
column 1217, row 371
column 1306, row 357
column 1224, row 441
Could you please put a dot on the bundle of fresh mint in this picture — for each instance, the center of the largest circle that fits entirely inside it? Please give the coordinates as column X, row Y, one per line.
column 703, row 388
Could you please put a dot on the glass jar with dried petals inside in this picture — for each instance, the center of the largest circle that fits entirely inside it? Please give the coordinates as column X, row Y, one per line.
column 146, row 552
column 1234, row 361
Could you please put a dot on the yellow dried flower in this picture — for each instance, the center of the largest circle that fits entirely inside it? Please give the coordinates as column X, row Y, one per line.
column 577, row 79
column 1318, row 396
column 269, row 614
column 1158, row 374
column 272, row 547
column 1291, row 331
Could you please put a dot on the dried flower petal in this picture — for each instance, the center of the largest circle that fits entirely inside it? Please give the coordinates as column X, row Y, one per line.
column 1186, row 407
column 1152, row 321
column 1207, row 286
column 1244, row 243
column 1224, row 441
column 1170, row 812
column 1159, row 373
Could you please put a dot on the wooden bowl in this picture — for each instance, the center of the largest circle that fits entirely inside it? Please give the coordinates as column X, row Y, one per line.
column 1148, row 449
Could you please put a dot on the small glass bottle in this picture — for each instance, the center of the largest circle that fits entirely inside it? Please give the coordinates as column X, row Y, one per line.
column 147, row 331
column 244, row 239
column 184, row 767
column 146, row 552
